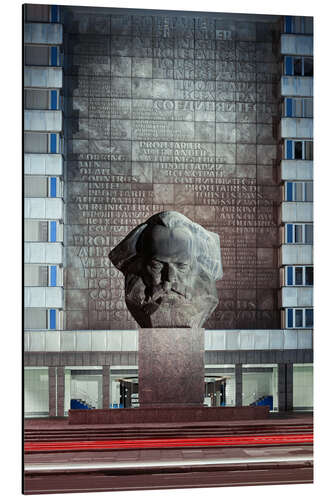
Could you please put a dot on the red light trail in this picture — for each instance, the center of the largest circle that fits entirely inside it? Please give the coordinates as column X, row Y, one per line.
column 169, row 443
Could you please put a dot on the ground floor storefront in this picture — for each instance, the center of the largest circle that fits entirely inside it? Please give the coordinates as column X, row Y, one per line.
column 53, row 390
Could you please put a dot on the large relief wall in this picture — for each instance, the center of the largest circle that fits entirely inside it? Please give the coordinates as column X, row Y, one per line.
column 171, row 112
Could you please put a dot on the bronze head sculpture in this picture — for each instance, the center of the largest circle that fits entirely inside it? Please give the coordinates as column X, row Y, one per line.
column 170, row 265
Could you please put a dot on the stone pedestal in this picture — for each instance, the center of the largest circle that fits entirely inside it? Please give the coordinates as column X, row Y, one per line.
column 166, row 414
column 171, row 367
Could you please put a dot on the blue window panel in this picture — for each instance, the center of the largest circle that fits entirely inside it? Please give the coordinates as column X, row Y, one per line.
column 53, row 231
column 289, row 150
column 289, row 318
column 54, row 56
column 289, row 106
column 53, row 187
column 308, row 317
column 288, row 26
column 288, row 65
column 54, row 99
column 53, row 323
column 289, row 191
column 289, row 275
column 53, row 275
column 53, row 143
column 54, row 13
column 299, row 318
column 289, row 233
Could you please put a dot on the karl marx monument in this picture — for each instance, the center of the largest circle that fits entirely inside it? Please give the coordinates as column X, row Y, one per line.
column 170, row 265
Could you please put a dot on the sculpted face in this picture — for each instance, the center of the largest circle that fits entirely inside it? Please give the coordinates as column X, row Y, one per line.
column 170, row 268
column 167, row 263
column 167, row 289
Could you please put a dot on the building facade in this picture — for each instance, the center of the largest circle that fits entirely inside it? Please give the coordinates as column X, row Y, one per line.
column 128, row 113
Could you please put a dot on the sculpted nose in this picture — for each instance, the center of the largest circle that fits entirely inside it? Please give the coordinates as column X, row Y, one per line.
column 169, row 273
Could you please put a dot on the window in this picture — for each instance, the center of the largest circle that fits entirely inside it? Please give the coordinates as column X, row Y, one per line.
column 52, row 319
column 37, row 13
column 54, row 56
column 35, row 275
column 54, row 14
column 299, row 233
column 298, row 150
column 303, row 387
column 55, row 276
column 52, row 275
column 260, row 385
column 36, row 55
column 298, row 24
column 54, row 144
column 36, row 142
column 35, row 318
column 54, row 99
column 35, row 186
column 41, row 99
column 52, row 187
column 43, row 275
column 307, row 69
column 298, row 66
column 36, row 392
column 41, row 55
column 298, row 191
column 299, row 318
column 35, row 230
column 53, row 231
column 299, row 276
column 298, row 107
column 55, row 187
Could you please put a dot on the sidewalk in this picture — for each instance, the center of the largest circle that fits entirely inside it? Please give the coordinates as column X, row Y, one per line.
column 159, row 456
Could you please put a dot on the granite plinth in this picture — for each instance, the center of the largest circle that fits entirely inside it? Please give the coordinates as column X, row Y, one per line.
column 171, row 366
column 167, row 414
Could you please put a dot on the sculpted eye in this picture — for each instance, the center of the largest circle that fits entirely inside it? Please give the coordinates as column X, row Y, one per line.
column 155, row 266
column 183, row 267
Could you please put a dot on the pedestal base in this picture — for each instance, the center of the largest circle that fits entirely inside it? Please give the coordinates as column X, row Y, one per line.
column 170, row 414
column 171, row 367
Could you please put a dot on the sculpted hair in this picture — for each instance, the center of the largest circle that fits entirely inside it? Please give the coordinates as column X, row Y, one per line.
column 206, row 244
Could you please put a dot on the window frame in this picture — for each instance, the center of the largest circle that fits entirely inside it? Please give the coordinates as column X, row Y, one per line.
column 290, row 275
column 289, row 149
column 290, row 102
column 55, row 275
column 52, row 275
column 289, row 66
column 54, row 143
column 291, row 23
column 291, row 230
column 290, row 317
column 53, row 231
column 54, row 13
column 54, row 99
column 290, row 191
column 54, row 187
column 52, row 319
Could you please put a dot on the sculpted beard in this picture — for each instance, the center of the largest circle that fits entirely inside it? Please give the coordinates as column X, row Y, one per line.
column 171, row 293
column 189, row 306
column 150, row 297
